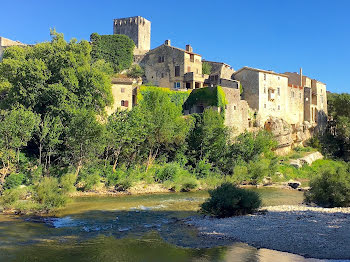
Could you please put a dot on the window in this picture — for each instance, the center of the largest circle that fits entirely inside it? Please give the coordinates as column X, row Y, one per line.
column 278, row 78
column 197, row 71
column 264, row 76
column 162, row 75
column 264, row 105
column 125, row 103
column 160, row 59
column 278, row 91
column 177, row 85
column 234, row 107
column 177, row 70
column 264, row 89
column 122, row 90
column 188, row 69
column 300, row 95
column 191, row 57
column 292, row 94
column 279, row 107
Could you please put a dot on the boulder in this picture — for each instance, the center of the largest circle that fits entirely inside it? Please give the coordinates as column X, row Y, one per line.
column 294, row 184
column 296, row 163
column 310, row 158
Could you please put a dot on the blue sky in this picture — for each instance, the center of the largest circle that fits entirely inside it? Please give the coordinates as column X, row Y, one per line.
column 273, row 35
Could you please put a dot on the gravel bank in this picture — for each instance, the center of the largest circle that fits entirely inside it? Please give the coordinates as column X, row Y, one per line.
column 308, row 231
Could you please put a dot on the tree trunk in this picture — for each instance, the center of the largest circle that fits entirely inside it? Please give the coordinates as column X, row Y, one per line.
column 40, row 153
column 78, row 169
column 116, row 158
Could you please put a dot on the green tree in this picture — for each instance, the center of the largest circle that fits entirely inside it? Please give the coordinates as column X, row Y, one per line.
column 85, row 138
column 165, row 125
column 136, row 71
column 126, row 132
column 114, row 49
column 206, row 68
column 16, row 129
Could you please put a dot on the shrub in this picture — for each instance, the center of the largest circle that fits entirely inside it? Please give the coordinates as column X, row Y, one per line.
column 67, row 182
column 203, row 168
column 11, row 196
column 168, row 172
column 228, row 200
column 14, row 180
column 49, row 194
column 136, row 71
column 185, row 182
column 330, row 189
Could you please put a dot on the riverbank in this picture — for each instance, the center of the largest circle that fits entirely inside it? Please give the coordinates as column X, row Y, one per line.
column 308, row 231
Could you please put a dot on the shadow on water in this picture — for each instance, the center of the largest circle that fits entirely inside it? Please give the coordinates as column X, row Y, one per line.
column 123, row 229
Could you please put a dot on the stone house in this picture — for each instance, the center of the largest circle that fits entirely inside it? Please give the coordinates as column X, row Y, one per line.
column 4, row 43
column 266, row 93
column 221, row 74
column 315, row 98
column 124, row 91
column 172, row 67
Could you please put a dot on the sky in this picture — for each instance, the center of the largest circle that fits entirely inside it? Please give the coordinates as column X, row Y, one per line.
column 278, row 35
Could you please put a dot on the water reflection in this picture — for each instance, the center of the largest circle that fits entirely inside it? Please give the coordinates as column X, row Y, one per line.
column 130, row 228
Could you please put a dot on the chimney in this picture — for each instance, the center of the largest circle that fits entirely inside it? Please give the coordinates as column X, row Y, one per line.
column 167, row 42
column 189, row 48
column 301, row 76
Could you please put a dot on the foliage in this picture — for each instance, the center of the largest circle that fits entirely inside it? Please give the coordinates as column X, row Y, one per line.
column 49, row 194
column 14, row 180
column 330, row 189
column 11, row 197
column 136, row 71
column 209, row 96
column 166, row 129
column 89, row 178
column 177, row 97
column 228, row 200
column 115, row 49
column 67, row 182
column 206, row 68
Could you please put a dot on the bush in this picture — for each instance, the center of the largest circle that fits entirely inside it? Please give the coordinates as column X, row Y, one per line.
column 330, row 189
column 228, row 200
column 169, row 171
column 14, row 180
column 11, row 196
column 136, row 71
column 185, row 182
column 203, row 168
column 67, row 182
column 49, row 194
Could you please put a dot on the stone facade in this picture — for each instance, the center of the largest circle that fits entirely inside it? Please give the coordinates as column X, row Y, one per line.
column 138, row 29
column 124, row 94
column 268, row 94
column 4, row 43
column 172, row 67
column 315, row 99
column 220, row 74
column 236, row 111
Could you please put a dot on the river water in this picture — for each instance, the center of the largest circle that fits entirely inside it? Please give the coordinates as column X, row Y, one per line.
column 129, row 228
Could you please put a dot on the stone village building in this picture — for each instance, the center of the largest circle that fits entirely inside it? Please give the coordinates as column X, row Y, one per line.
column 291, row 105
column 288, row 101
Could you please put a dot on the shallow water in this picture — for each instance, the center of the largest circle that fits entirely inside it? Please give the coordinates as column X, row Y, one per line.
column 129, row 228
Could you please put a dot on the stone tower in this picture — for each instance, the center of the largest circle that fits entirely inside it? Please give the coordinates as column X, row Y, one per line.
column 138, row 29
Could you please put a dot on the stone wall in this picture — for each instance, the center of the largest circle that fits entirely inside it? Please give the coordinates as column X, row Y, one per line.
column 236, row 111
column 138, row 29
column 250, row 82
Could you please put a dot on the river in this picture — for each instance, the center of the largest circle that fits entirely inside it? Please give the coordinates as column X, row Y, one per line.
column 129, row 228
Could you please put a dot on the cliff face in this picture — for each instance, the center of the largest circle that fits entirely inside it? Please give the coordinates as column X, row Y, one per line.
column 287, row 136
